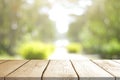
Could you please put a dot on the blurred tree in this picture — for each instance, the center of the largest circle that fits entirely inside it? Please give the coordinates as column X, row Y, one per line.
column 75, row 28
column 100, row 28
column 39, row 26
column 20, row 20
column 36, row 23
column 8, row 23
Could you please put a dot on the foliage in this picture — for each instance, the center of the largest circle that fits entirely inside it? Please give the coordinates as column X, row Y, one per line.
column 74, row 48
column 98, row 29
column 4, row 56
column 19, row 19
column 35, row 50
column 111, row 50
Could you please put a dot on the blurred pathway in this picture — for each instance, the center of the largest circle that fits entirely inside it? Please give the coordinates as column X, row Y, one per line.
column 62, row 54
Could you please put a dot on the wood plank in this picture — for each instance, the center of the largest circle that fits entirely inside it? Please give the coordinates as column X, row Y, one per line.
column 31, row 71
column 110, row 66
column 10, row 66
column 1, row 61
column 87, row 70
column 60, row 70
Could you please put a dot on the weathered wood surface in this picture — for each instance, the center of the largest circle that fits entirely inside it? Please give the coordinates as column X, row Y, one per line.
column 110, row 66
column 60, row 70
column 87, row 70
column 30, row 71
column 1, row 61
column 9, row 67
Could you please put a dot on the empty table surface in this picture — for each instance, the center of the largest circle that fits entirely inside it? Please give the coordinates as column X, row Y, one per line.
column 59, row 69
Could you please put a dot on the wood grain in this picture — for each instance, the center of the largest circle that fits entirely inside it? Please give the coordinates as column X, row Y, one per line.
column 87, row 70
column 31, row 71
column 1, row 61
column 60, row 70
column 10, row 66
column 110, row 66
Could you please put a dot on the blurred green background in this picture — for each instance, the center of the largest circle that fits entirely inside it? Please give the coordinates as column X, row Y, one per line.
column 32, row 29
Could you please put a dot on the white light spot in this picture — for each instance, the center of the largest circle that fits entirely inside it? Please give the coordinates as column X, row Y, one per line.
column 61, row 14
column 84, row 3
column 30, row 1
column 62, row 43
column 44, row 10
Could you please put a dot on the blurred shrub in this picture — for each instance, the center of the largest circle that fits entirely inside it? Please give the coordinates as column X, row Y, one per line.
column 74, row 48
column 111, row 50
column 50, row 48
column 35, row 50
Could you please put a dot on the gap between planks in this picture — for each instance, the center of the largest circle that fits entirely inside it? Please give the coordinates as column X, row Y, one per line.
column 110, row 66
column 9, row 66
column 75, row 70
column 45, row 70
column 3, row 61
column 33, row 70
column 17, row 68
column 71, row 64
column 87, row 70
column 60, row 70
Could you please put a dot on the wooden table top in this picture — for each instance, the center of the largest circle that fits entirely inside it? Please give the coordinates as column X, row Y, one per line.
column 59, row 69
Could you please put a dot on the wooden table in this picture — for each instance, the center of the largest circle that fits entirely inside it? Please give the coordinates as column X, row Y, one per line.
column 59, row 69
